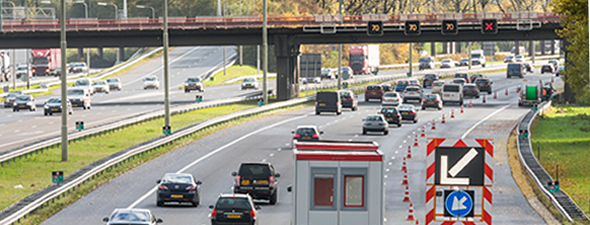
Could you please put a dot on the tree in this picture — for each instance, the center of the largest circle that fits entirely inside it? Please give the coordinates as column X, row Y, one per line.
column 575, row 32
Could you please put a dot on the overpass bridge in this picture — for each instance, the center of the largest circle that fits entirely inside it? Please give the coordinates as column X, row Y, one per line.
column 286, row 33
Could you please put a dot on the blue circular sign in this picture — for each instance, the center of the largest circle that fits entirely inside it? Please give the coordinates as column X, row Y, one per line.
column 459, row 203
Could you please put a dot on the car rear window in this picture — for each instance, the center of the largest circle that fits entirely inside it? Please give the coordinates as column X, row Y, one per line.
column 429, row 76
column 196, row 79
column 481, row 81
column 390, row 95
column 131, row 217
column 402, row 83
column 345, row 94
column 388, row 110
column 412, row 89
column 406, row 107
column 437, row 84
column 83, row 82
column 177, row 179
column 307, row 131
column 255, row 171
column 75, row 92
column 461, row 75
column 374, row 88
column 469, row 87
column 430, row 97
column 514, row 66
column 233, row 204
column 373, row 118
column 458, row 81
column 451, row 88
column 327, row 96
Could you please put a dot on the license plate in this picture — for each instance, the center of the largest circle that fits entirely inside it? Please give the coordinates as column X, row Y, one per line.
column 234, row 216
column 412, row 93
column 322, row 104
column 248, row 85
column 262, row 181
column 447, row 95
column 22, row 106
column 430, row 102
column 468, row 91
column 74, row 105
column 405, row 113
column 98, row 89
column 389, row 118
column 55, row 110
column 390, row 100
column 306, row 137
column 175, row 196
column 245, row 182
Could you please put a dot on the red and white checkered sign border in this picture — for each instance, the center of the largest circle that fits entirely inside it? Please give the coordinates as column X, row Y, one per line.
column 488, row 180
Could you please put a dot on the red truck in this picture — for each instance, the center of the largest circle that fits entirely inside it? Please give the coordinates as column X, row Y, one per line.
column 364, row 59
column 45, row 61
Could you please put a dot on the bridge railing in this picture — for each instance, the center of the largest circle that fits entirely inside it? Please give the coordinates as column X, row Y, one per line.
column 276, row 21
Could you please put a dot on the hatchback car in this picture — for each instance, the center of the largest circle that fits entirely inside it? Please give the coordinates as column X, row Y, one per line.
column 53, row 105
column 509, row 59
column 391, row 115
column 9, row 99
column 432, row 101
column 437, row 87
column 234, row 209
column 85, row 83
column 79, row 97
column 258, row 179
column 24, row 102
column 391, row 98
column 249, row 83
column 429, row 79
column 413, row 82
column 373, row 92
column 408, row 112
column 515, row 69
column 470, row 90
column 387, row 87
column 307, row 133
column 426, row 63
column 178, row 187
column 193, row 83
column 413, row 93
column 375, row 123
column 547, row 68
column 560, row 70
column 447, row 63
column 115, row 84
column 151, row 82
column 132, row 216
column 459, row 81
column 78, row 67
column 475, row 76
column 484, row 85
column 101, row 86
column 348, row 100
column 464, row 62
column 401, row 85
column 465, row 76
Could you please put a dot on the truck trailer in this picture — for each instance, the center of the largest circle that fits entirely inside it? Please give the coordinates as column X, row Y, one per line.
column 364, row 59
column 45, row 61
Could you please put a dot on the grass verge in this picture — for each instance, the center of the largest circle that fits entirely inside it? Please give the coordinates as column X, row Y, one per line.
column 42, row 214
column 32, row 173
column 230, row 73
column 561, row 137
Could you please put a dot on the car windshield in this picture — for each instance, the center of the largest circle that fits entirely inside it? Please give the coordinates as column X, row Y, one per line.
column 406, row 107
column 233, row 204
column 131, row 217
column 100, row 82
column 23, row 98
column 21, row 68
column 40, row 61
column 345, row 94
column 83, row 82
column 388, row 110
column 306, row 131
column 438, row 84
column 429, row 76
column 255, row 171
column 150, row 79
column 509, row 57
column 177, row 179
column 519, row 56
column 373, row 88
column 249, row 80
column 446, row 61
column 464, row 60
column 325, row 70
column 469, row 87
column 193, row 80
column 425, row 60
column 113, row 80
column 14, row 94
column 461, row 75
column 393, row 95
column 373, row 118
column 76, row 92
column 451, row 88
column 54, row 100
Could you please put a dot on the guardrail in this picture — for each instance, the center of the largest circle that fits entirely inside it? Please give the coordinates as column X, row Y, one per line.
column 566, row 206
column 32, row 202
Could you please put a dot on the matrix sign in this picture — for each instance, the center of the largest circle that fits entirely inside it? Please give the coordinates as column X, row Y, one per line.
column 449, row 27
column 489, row 26
column 412, row 27
column 375, row 28
column 459, row 166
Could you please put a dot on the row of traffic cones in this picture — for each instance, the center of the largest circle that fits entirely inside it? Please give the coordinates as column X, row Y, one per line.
column 406, row 198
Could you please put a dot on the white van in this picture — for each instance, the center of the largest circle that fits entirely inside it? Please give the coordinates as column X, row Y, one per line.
column 478, row 58
column 452, row 93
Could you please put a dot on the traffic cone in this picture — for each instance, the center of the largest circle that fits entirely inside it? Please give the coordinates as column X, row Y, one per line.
column 484, row 99
column 409, row 156
column 495, row 94
column 452, row 114
column 461, row 108
column 506, row 92
column 423, row 132
column 470, row 104
column 404, row 168
column 443, row 119
column 416, row 144
column 411, row 213
column 433, row 127
column 405, row 180
column 551, row 79
column 407, row 195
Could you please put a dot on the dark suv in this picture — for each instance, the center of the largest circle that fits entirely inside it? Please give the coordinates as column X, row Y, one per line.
column 429, row 79
column 515, row 69
column 258, row 180
column 234, row 209
column 348, row 100
column 373, row 92
column 391, row 115
column 328, row 101
column 484, row 85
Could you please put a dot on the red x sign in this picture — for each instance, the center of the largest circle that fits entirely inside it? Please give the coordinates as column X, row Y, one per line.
column 489, row 26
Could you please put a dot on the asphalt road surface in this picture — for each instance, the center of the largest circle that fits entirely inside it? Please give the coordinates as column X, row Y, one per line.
column 213, row 158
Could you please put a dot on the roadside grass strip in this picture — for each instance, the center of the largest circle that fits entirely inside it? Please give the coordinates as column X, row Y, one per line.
column 230, row 73
column 561, row 137
column 25, row 176
column 148, row 130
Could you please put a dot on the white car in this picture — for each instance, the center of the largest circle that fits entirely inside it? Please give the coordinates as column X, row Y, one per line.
column 437, row 87
column 413, row 82
column 151, row 82
column 78, row 67
column 101, row 86
column 519, row 58
column 391, row 98
column 21, row 71
column 115, row 83
column 447, row 63
column 249, row 83
column 413, row 93
column 452, row 93
column 85, row 83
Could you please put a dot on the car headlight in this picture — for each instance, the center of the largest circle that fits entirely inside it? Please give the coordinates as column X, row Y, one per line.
column 46, row 107
column 81, row 99
column 29, row 103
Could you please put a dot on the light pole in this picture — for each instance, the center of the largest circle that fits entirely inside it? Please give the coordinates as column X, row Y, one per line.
column 148, row 7
column 64, row 84
column 106, row 4
column 411, row 43
column 265, row 54
column 166, row 82
column 340, row 50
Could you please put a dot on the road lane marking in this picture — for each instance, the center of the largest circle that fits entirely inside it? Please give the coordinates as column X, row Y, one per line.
column 151, row 191
column 482, row 120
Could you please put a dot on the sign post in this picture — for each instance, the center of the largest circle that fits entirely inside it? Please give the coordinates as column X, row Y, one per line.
column 57, row 177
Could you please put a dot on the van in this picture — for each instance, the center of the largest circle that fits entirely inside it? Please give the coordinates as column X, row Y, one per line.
column 79, row 97
column 478, row 58
column 85, row 83
column 515, row 69
column 328, row 101
column 452, row 93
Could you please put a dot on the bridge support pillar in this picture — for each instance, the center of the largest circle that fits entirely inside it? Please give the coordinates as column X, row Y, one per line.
column 542, row 47
column 121, row 54
column 457, row 48
column 80, row 54
column 287, row 68
column 433, row 48
column 99, row 53
column 517, row 48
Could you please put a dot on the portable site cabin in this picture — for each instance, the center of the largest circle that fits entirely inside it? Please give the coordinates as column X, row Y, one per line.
column 337, row 183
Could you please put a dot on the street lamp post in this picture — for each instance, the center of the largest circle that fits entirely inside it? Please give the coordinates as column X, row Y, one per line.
column 148, row 7
column 116, row 8
column 64, row 84
column 265, row 53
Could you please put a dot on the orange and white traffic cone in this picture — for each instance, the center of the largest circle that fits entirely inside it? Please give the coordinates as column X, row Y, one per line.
column 411, row 213
column 495, row 94
column 423, row 132
column 409, row 156
column 407, row 195
column 462, row 109
column 452, row 114
column 405, row 180
column 506, row 92
column 470, row 104
column 443, row 119
column 404, row 168
column 416, row 144
column 551, row 79
column 433, row 125
column 484, row 99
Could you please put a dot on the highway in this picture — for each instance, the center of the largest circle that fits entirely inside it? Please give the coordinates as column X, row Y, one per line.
column 213, row 158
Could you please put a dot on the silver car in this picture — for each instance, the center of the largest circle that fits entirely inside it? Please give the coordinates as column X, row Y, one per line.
column 391, row 98
column 101, row 86
column 151, row 82
column 375, row 123
column 115, row 83
column 249, row 83
column 413, row 93
column 132, row 216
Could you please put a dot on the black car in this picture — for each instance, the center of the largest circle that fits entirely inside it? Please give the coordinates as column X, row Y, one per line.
column 475, row 76
column 234, row 209
column 24, row 102
column 193, row 83
column 53, row 105
column 307, row 133
column 348, row 100
column 547, row 68
column 470, row 90
column 328, row 101
column 391, row 115
column 432, row 101
column 9, row 99
column 429, row 79
column 515, row 69
column 387, row 87
column 258, row 179
column 528, row 67
column 484, row 85
column 408, row 112
column 178, row 187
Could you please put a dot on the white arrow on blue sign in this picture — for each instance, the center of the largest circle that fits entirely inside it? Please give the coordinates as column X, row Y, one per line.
column 459, row 203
